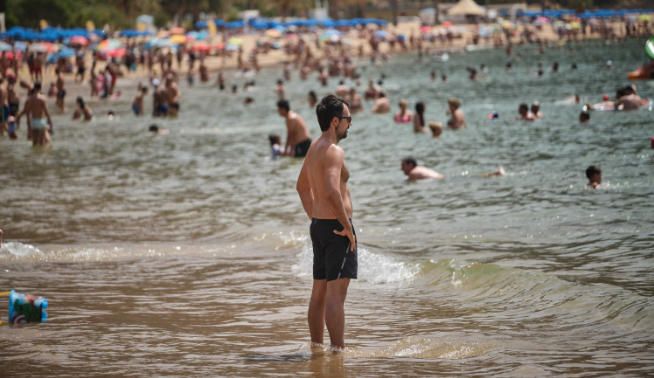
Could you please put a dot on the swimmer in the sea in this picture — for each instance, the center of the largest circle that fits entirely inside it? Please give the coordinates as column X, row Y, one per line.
column 457, row 119
column 594, row 175
column 403, row 115
column 436, row 129
column 156, row 130
column 524, row 114
column 415, row 172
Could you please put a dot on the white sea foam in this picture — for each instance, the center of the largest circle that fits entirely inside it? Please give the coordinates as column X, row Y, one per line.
column 373, row 267
column 17, row 249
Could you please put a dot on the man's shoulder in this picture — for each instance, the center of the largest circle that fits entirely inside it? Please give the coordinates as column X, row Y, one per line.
column 295, row 116
column 334, row 151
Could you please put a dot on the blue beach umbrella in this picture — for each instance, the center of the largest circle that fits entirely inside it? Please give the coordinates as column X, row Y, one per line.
column 381, row 34
column 330, row 34
column 235, row 24
column 4, row 46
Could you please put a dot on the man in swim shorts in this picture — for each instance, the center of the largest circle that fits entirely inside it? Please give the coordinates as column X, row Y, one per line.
column 37, row 113
column 297, row 134
column 322, row 186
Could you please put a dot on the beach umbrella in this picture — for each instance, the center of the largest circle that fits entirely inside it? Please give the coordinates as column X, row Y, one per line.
column 4, row 46
column 330, row 34
column 201, row 47
column 64, row 53
column 176, row 30
column 425, row 29
column 44, row 47
column 540, row 20
column 235, row 24
column 159, row 42
column 178, row 39
column 11, row 55
column 20, row 45
column 381, row 34
column 109, row 45
column 273, row 33
column 116, row 53
column 198, row 36
column 235, row 41
column 78, row 40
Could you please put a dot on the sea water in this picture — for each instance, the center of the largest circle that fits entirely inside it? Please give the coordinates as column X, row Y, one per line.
column 188, row 253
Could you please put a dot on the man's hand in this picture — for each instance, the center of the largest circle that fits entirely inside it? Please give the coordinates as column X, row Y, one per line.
column 347, row 232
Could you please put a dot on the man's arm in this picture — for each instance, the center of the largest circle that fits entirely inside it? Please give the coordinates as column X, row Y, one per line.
column 47, row 115
column 303, row 188
column 287, row 146
column 335, row 158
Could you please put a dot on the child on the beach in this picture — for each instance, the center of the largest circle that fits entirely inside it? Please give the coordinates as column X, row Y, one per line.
column 275, row 145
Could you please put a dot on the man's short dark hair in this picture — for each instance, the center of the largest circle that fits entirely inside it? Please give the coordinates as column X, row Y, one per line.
column 274, row 139
column 592, row 171
column 283, row 104
column 329, row 107
column 409, row 160
column 37, row 86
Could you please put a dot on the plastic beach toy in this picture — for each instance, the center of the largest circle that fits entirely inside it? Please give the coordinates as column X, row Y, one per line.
column 26, row 308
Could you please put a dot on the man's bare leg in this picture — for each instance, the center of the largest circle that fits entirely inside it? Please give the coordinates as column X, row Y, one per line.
column 335, row 312
column 317, row 311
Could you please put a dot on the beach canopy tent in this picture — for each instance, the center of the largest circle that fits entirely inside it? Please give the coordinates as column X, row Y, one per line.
column 235, row 24
column 197, row 35
column 609, row 13
column 266, row 24
column 49, row 34
column 202, row 24
column 64, row 53
column 550, row 13
column 466, row 8
column 131, row 33
column 160, row 43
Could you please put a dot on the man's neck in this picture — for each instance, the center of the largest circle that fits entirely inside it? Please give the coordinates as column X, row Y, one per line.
column 330, row 135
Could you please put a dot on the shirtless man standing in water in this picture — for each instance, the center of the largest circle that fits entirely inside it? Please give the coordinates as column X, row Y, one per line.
column 37, row 113
column 322, row 186
column 297, row 135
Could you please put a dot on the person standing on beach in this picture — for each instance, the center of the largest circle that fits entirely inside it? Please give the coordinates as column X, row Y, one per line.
column 297, row 134
column 322, row 186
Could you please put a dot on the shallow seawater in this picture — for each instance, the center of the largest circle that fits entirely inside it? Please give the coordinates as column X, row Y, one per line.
column 188, row 253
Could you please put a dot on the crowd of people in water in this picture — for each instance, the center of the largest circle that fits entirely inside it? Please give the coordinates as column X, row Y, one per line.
column 308, row 56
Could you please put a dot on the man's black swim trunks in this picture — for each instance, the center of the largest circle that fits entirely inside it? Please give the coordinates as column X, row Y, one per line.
column 302, row 148
column 332, row 258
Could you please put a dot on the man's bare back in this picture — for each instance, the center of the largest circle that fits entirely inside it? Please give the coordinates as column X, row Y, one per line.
column 296, row 129
column 36, row 107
